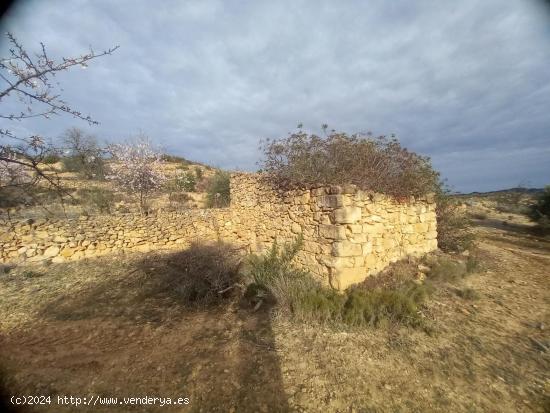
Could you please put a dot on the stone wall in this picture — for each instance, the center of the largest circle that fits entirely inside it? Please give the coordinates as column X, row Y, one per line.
column 348, row 234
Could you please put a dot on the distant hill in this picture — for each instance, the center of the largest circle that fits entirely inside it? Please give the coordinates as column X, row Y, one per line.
column 503, row 191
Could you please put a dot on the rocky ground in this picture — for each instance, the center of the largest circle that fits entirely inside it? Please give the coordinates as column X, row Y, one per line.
column 92, row 328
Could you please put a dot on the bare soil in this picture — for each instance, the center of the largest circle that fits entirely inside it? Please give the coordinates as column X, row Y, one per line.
column 96, row 328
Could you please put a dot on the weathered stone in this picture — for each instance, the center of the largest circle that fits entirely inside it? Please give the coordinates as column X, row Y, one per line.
column 346, row 249
column 51, row 251
column 347, row 215
column 431, row 235
column 366, row 248
column 330, row 201
column 342, row 278
column 421, row 227
column 67, row 252
column 332, row 231
column 359, row 238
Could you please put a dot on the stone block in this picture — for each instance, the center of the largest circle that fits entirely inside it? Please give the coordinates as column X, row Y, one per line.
column 366, row 248
column 342, row 278
column 359, row 238
column 51, row 251
column 332, row 231
column 346, row 249
column 67, row 252
column 431, row 235
column 347, row 215
column 421, row 227
column 330, row 201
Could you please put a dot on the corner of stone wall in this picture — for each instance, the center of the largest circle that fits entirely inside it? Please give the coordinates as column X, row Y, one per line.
column 367, row 231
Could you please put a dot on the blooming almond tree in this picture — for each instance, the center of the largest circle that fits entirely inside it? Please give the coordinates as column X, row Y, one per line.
column 13, row 173
column 137, row 168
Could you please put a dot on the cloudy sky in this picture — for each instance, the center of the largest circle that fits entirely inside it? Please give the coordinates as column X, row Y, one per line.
column 467, row 83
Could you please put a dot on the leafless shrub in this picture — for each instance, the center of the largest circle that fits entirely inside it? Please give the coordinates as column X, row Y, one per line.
column 202, row 274
column 83, row 154
column 378, row 164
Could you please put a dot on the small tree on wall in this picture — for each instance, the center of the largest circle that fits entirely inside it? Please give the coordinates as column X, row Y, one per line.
column 137, row 169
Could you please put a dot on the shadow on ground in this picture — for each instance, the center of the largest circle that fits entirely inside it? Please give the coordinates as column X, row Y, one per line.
column 505, row 226
column 521, row 235
column 126, row 336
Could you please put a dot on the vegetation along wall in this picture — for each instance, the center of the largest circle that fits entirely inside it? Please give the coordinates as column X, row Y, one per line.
column 348, row 233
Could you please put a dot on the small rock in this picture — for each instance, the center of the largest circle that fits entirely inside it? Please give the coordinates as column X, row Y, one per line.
column 464, row 311
column 424, row 268
column 51, row 251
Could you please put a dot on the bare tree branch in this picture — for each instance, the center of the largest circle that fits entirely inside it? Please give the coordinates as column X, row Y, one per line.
column 30, row 81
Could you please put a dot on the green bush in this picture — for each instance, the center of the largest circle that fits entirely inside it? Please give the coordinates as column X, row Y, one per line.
column 51, row 158
column 175, row 159
column 198, row 173
column 88, row 167
column 185, row 182
column 540, row 211
column 468, row 294
column 296, row 293
column 447, row 270
column 381, row 306
column 97, row 198
column 218, row 193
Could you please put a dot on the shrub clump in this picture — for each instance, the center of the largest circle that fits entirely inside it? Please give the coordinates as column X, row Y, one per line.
column 540, row 211
column 468, row 294
column 84, row 155
column 218, row 193
column 97, row 198
column 382, row 306
column 376, row 164
column 203, row 274
column 296, row 293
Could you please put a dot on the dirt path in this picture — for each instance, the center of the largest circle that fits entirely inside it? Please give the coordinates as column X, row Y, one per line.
column 87, row 330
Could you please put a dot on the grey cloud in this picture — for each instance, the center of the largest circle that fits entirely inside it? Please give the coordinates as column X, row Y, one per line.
column 467, row 84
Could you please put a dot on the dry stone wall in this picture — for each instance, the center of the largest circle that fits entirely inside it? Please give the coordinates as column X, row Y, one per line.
column 348, row 233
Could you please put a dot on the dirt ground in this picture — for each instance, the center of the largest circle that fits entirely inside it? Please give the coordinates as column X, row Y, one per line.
column 93, row 328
